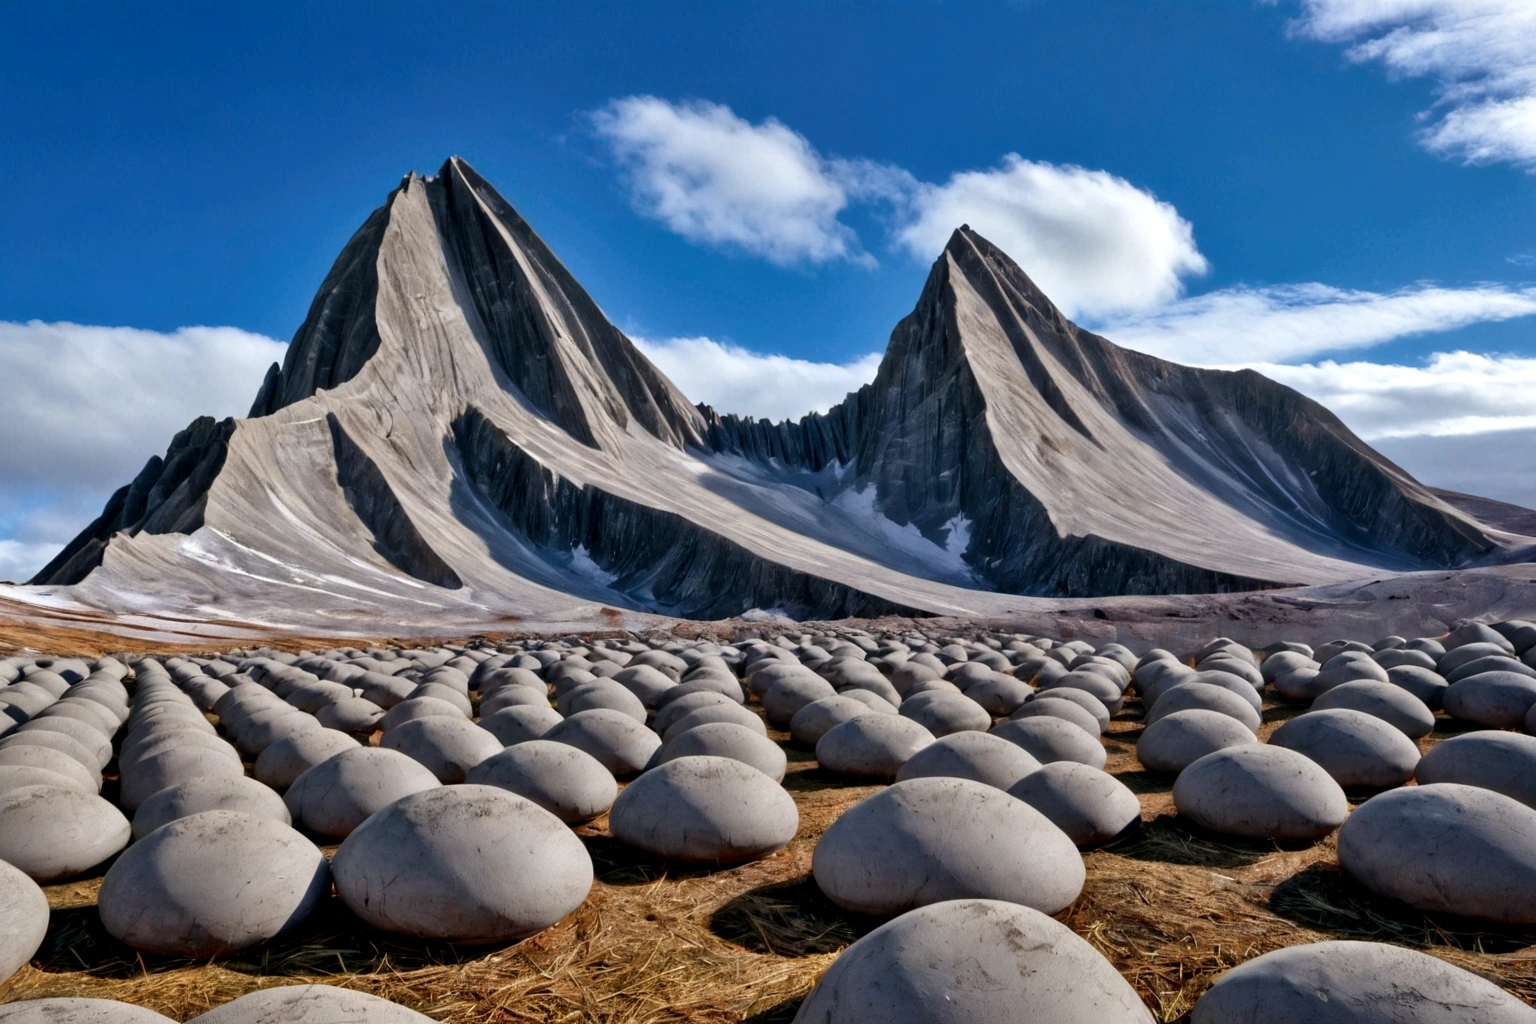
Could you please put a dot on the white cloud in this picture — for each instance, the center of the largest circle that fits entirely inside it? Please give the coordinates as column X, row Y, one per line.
column 87, row 406
column 733, row 379
column 1481, row 52
column 717, row 179
column 1095, row 244
column 1280, row 324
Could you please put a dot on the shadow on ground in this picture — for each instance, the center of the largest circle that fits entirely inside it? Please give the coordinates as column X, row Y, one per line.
column 788, row 919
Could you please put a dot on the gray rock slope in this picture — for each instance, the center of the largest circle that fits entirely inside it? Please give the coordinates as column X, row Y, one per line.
column 457, row 432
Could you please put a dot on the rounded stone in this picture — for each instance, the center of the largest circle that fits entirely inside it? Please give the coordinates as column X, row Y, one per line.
column 284, row 761
column 727, row 739
column 212, row 884
column 1049, row 739
column 1392, row 704
column 215, row 793
column 1260, row 791
column 414, row 708
column 449, row 747
column 978, row 756
column 86, row 736
column 1504, row 762
column 1498, row 700
column 1205, row 696
column 1092, row 683
column 49, row 759
column 1489, row 663
column 813, row 721
column 1089, row 805
column 972, row 962
column 791, row 693
column 1347, row 982
column 1347, row 667
column 511, row 697
column 77, row 1010
column 51, row 832
column 23, row 919
column 1425, row 684
column 339, row 793
column 1446, row 848
column 927, row 840
column 945, row 713
column 645, row 683
column 677, row 707
column 729, row 712
column 872, row 746
column 602, row 693
column 1053, row 707
column 18, row 776
column 310, row 1004
column 1357, row 749
column 521, row 723
column 1176, row 741
column 705, row 809
column 356, row 715
column 620, row 744
column 566, row 782
column 1000, row 694
column 463, row 863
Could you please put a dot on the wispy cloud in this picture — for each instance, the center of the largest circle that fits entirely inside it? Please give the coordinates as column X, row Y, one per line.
column 1482, row 54
column 734, row 379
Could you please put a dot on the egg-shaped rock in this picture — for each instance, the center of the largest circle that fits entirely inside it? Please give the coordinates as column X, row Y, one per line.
column 1357, row 749
column 1049, row 739
column 927, row 840
column 705, row 810
column 448, row 747
column 212, row 884
column 727, row 739
column 213, row 793
column 77, row 1010
column 51, row 832
column 1498, row 700
column 310, row 1004
column 521, row 723
column 945, row 713
column 727, row 712
column 567, row 782
column 872, row 746
column 1204, row 696
column 339, row 793
column 620, row 744
column 817, row 718
column 1260, row 791
column 1089, row 805
column 978, row 756
column 1446, row 848
column 463, row 863
column 1392, row 704
column 791, row 693
column 1504, row 762
column 1054, row 707
column 1176, row 741
column 284, row 761
column 23, row 919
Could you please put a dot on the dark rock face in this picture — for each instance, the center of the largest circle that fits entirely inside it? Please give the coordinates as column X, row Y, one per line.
column 457, row 411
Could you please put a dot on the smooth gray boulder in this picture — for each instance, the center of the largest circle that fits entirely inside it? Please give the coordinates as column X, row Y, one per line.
column 1050, row 739
column 49, row 759
column 511, row 697
column 449, row 747
column 310, row 1004
column 417, row 707
column 647, row 684
column 620, row 744
column 354, row 715
column 945, row 713
column 77, row 1010
column 813, row 721
column 70, row 747
column 1392, row 704
column 1476, row 633
column 733, row 713
column 1082, row 699
column 1489, row 663
column 1092, row 683
column 677, row 707
column 972, row 962
column 1425, row 684
column 212, row 884
column 1089, row 805
column 18, row 776
column 51, row 832
column 258, row 732
column 1260, row 791
column 1053, row 707
column 405, row 869
column 978, row 756
column 1000, row 695
column 602, row 693
column 23, row 919
column 789, row 694
column 216, row 793
column 86, row 736
column 284, row 761
column 521, row 723
column 1346, row 982
column 567, row 782
column 1498, row 700
column 1176, row 741
column 871, row 746
column 1205, row 696
column 727, row 739
column 704, row 809
column 873, row 701
column 1446, row 848
column 1347, row 667
column 1357, row 749
column 1504, row 762
column 339, row 793
column 927, row 840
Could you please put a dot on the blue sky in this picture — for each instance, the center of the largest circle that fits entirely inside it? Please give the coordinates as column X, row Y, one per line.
column 1220, row 181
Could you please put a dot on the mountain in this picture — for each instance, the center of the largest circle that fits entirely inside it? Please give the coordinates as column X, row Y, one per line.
column 458, row 434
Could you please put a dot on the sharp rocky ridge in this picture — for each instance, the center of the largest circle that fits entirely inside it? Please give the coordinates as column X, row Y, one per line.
column 458, row 434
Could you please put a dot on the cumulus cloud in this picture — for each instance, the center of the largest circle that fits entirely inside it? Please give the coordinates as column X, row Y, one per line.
column 1093, row 242
column 717, row 179
column 1482, row 54
column 733, row 379
column 86, row 406
column 1293, row 322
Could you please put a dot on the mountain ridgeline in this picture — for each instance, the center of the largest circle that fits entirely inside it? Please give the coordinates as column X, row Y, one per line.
column 457, row 433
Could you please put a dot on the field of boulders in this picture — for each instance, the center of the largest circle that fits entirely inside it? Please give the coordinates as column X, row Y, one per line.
column 825, row 826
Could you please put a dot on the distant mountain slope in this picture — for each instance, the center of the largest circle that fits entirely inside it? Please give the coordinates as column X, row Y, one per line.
column 458, row 433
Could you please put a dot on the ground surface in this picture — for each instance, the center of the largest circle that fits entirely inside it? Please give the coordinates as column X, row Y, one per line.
column 1170, row 906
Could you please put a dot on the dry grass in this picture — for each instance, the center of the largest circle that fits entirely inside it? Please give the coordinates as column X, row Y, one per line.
column 1169, row 906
